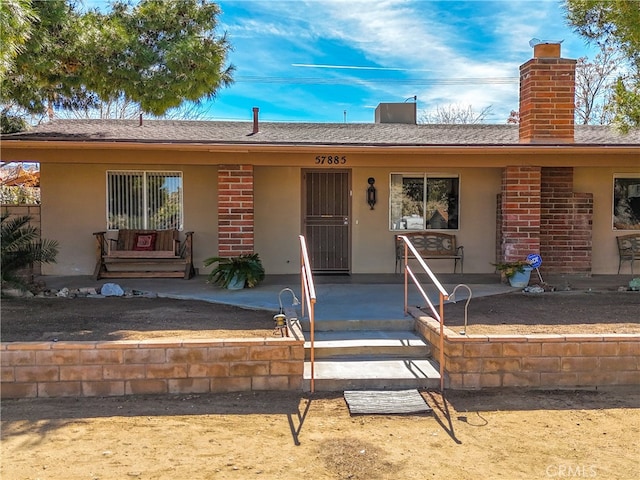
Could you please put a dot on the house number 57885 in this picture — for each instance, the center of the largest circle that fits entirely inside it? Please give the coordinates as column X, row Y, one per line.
column 331, row 159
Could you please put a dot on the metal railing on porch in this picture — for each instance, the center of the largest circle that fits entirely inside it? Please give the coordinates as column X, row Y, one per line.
column 308, row 290
column 443, row 295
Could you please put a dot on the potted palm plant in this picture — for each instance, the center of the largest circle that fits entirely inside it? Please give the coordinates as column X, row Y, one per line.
column 517, row 273
column 236, row 272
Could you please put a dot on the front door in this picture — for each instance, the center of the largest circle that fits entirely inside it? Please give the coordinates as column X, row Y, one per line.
column 326, row 219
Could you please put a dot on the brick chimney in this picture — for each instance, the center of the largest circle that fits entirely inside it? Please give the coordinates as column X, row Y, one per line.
column 547, row 96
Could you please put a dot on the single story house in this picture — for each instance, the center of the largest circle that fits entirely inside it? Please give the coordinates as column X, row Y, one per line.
column 544, row 186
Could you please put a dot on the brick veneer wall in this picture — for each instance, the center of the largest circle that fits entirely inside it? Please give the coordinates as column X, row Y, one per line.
column 235, row 210
column 566, row 223
column 534, row 361
column 538, row 212
column 547, row 90
column 87, row 369
column 519, row 225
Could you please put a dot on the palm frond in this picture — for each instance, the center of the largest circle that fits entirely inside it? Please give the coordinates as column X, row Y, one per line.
column 21, row 246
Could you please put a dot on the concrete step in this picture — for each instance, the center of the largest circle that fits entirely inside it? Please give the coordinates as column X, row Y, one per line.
column 406, row 324
column 363, row 373
column 373, row 343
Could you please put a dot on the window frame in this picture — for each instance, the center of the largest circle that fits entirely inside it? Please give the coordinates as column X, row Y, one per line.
column 625, row 176
column 145, row 194
column 425, row 178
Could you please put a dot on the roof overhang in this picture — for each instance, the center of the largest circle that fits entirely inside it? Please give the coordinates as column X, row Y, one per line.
column 50, row 150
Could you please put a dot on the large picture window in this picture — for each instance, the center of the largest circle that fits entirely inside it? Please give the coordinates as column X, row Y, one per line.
column 144, row 200
column 626, row 202
column 420, row 202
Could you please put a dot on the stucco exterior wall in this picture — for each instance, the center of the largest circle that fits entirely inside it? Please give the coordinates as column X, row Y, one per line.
column 74, row 193
column 599, row 181
column 373, row 248
column 278, row 219
column 74, row 206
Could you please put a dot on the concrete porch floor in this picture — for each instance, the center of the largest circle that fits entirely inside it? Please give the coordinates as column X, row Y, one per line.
column 348, row 297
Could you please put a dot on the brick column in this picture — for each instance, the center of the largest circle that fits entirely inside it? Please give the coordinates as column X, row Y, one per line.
column 235, row 210
column 519, row 228
column 566, row 223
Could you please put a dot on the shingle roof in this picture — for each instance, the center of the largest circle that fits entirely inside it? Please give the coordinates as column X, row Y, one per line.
column 212, row 132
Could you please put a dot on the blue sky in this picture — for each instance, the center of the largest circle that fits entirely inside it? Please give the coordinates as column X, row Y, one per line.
column 312, row 61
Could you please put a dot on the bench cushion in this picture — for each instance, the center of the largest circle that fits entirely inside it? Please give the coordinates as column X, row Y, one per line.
column 164, row 239
column 145, row 241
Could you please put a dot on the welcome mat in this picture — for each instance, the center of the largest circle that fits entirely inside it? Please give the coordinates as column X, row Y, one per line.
column 386, row 402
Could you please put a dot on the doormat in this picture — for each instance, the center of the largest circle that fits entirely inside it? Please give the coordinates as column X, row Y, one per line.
column 385, row 402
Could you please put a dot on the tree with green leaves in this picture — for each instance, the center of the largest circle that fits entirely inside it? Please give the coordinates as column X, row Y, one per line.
column 614, row 23
column 156, row 53
column 16, row 20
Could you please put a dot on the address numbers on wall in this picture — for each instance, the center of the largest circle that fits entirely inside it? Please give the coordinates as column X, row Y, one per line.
column 331, row 159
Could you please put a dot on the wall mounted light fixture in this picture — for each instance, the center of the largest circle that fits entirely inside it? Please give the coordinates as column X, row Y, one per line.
column 371, row 192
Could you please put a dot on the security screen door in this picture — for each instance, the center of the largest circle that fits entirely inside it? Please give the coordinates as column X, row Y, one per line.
column 326, row 219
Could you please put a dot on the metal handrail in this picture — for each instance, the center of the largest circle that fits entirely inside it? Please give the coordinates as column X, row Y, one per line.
column 443, row 295
column 308, row 290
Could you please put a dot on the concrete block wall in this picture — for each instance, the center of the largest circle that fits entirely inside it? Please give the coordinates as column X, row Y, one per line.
column 88, row 369
column 534, row 361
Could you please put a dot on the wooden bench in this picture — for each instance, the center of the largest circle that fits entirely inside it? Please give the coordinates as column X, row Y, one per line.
column 628, row 249
column 431, row 246
column 144, row 253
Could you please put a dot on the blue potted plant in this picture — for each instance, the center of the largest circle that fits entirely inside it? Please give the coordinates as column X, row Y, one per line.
column 516, row 273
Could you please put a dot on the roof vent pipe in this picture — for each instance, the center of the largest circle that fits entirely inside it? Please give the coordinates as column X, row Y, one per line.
column 140, row 122
column 256, row 127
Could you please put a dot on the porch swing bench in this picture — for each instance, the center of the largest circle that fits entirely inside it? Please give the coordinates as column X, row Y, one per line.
column 136, row 253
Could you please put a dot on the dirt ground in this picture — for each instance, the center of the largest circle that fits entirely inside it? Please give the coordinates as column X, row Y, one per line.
column 127, row 318
column 136, row 318
column 293, row 435
column 550, row 312
column 489, row 435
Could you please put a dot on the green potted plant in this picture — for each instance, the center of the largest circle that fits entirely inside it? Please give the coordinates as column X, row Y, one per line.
column 236, row 272
column 517, row 273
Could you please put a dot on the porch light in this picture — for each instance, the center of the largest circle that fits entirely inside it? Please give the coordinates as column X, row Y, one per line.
column 371, row 192
column 280, row 319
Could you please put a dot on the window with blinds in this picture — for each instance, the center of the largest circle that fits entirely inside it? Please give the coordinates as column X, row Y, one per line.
column 144, row 200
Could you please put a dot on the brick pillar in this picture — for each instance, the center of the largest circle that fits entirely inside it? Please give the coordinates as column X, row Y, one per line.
column 547, row 97
column 566, row 223
column 235, row 210
column 519, row 228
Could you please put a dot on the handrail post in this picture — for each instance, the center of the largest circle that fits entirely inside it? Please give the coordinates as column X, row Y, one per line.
column 441, row 342
column 308, row 295
column 438, row 314
column 406, row 280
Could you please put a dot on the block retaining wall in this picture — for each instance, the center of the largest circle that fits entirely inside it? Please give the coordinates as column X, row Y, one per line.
column 540, row 361
column 88, row 369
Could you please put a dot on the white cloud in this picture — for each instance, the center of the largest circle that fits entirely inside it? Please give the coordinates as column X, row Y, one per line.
column 424, row 40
